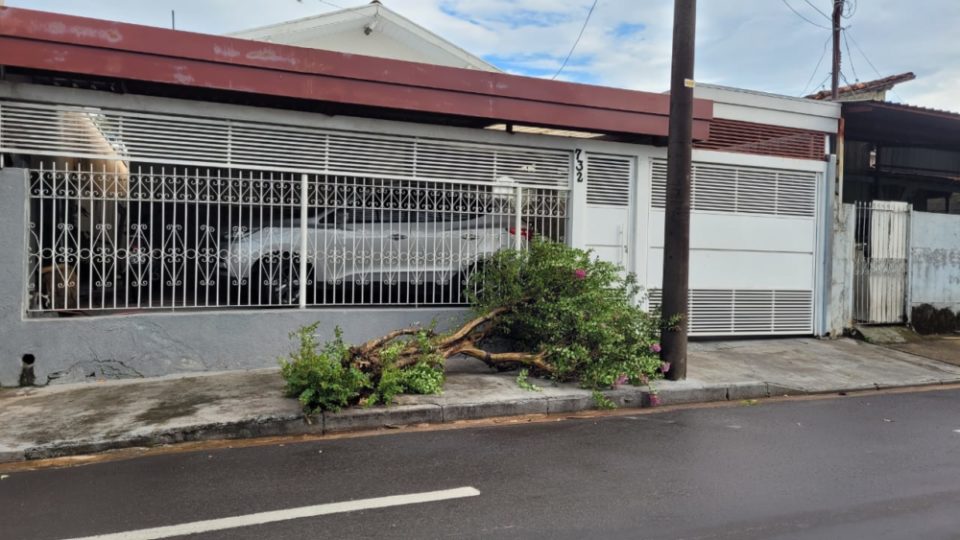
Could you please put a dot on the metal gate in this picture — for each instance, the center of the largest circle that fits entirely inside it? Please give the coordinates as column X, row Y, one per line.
column 880, row 262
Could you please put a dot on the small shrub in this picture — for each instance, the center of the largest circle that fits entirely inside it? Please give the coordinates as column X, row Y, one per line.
column 582, row 313
column 522, row 381
column 602, row 401
column 318, row 377
column 325, row 378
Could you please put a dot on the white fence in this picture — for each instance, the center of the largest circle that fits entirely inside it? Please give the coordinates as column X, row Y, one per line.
column 880, row 262
column 182, row 237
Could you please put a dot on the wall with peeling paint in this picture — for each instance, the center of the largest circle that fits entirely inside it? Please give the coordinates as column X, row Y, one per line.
column 935, row 260
column 840, row 309
column 71, row 349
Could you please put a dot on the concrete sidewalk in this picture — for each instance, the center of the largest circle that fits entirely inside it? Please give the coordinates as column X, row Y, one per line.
column 91, row 417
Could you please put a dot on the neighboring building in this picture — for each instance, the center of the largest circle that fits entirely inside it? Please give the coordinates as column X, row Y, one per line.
column 898, row 152
column 180, row 202
column 372, row 30
column 896, row 247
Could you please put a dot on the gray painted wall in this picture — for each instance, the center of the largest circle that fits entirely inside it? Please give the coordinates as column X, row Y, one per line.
column 151, row 344
column 935, row 260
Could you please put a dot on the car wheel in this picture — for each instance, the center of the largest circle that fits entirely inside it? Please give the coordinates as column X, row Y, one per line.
column 275, row 280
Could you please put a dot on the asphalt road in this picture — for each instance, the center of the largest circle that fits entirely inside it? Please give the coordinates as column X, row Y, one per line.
column 880, row 466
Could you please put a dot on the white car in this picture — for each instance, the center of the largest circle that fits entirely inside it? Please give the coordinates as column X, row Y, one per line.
column 362, row 246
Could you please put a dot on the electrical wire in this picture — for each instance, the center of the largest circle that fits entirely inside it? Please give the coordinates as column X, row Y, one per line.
column 846, row 43
column 823, row 83
column 818, row 10
column 849, row 9
column 798, row 14
column 338, row 6
column 577, row 42
column 867, row 58
column 817, row 68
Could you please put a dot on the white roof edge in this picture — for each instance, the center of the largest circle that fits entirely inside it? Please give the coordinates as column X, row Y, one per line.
column 766, row 100
column 260, row 29
column 388, row 14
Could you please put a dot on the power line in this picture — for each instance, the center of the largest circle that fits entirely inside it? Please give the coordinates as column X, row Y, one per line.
column 867, row 58
column 338, row 6
column 577, row 42
column 823, row 83
column 844, row 77
column 798, row 14
column 850, row 9
column 817, row 68
column 818, row 10
column 846, row 43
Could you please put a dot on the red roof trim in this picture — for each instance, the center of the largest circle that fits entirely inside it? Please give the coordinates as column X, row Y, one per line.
column 63, row 43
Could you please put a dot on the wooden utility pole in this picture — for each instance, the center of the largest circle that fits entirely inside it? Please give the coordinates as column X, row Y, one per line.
column 835, row 74
column 676, row 247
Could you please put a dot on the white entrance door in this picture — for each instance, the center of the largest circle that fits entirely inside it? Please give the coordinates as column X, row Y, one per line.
column 609, row 208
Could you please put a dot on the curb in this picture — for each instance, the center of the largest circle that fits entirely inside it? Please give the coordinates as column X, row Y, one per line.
column 396, row 416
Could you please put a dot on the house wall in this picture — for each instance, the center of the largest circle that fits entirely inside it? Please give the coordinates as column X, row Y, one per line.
column 150, row 344
column 935, row 260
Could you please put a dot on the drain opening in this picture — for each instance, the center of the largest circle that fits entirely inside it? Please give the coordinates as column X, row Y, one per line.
column 27, row 375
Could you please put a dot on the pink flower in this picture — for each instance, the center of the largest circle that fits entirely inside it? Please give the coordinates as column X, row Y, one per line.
column 621, row 380
column 654, row 400
column 580, row 273
column 664, row 367
column 644, row 379
column 655, row 348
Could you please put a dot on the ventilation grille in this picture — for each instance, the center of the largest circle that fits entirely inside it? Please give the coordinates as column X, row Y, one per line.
column 751, row 138
column 745, row 190
column 78, row 132
column 608, row 180
column 742, row 312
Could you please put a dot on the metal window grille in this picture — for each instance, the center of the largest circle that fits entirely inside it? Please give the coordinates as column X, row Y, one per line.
column 173, row 237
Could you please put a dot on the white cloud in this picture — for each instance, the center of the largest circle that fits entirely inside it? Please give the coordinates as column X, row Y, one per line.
column 756, row 44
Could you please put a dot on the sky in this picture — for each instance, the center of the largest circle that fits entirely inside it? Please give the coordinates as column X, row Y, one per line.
column 754, row 44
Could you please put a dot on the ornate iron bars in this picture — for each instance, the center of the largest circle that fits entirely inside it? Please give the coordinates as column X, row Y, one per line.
column 111, row 239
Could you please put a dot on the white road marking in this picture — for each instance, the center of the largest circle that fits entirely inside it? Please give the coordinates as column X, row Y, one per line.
column 261, row 518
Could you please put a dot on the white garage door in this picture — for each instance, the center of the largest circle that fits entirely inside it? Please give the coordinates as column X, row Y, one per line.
column 752, row 249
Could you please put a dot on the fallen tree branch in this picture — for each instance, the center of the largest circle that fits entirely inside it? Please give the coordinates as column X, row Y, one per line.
column 537, row 360
column 471, row 326
column 379, row 342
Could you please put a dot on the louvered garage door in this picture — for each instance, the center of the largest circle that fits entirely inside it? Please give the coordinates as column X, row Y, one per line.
column 753, row 249
column 609, row 208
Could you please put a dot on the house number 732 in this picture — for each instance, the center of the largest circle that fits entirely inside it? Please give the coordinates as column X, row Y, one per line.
column 578, row 164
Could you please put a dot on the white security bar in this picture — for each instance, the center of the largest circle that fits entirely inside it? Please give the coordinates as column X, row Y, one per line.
column 116, row 238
